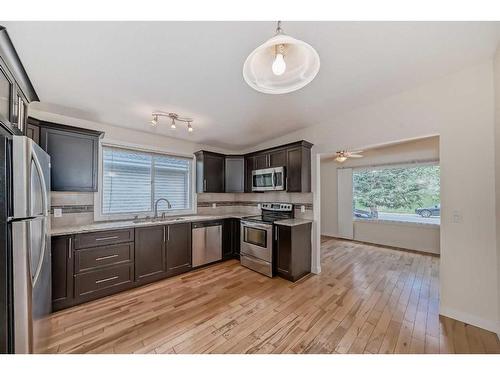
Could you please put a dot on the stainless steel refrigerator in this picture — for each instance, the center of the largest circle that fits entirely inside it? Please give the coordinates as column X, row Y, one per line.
column 25, row 264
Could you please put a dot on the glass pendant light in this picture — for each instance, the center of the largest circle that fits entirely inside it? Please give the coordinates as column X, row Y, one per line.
column 281, row 65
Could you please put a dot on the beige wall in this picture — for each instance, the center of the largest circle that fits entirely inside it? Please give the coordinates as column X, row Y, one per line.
column 459, row 108
column 421, row 237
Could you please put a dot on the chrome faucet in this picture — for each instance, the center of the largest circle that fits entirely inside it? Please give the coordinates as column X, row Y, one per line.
column 156, row 206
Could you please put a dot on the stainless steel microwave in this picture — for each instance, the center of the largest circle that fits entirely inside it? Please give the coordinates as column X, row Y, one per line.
column 268, row 179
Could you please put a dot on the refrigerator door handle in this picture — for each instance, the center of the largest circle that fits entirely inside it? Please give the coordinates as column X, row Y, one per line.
column 43, row 248
column 39, row 171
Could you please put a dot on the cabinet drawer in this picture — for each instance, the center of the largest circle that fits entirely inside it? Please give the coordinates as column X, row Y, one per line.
column 104, row 281
column 85, row 240
column 87, row 259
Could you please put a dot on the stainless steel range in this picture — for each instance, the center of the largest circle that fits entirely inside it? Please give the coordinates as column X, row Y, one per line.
column 256, row 250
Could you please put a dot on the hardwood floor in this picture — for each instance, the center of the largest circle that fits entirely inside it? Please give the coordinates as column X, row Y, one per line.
column 366, row 300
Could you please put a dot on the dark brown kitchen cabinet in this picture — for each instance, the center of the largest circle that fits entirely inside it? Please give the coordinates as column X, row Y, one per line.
column 210, row 177
column 261, row 161
column 292, row 247
column 234, row 174
column 33, row 132
column 73, row 156
column 62, row 272
column 298, row 172
column 277, row 159
column 150, row 254
column 249, row 167
column 178, row 248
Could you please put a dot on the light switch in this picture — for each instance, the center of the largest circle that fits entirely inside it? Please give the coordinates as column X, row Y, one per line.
column 457, row 217
column 214, row 205
column 57, row 212
column 258, row 206
column 302, row 208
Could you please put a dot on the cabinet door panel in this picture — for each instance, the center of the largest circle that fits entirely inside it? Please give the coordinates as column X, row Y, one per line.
column 73, row 158
column 261, row 161
column 277, row 159
column 283, row 250
column 150, row 262
column 62, row 272
column 178, row 248
column 235, row 175
column 249, row 167
column 213, row 173
column 294, row 170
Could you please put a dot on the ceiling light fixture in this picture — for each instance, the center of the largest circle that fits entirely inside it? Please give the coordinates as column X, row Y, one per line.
column 281, row 65
column 173, row 117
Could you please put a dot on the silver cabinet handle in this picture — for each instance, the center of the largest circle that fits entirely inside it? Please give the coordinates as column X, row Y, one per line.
column 106, row 238
column 276, row 234
column 106, row 257
column 204, row 185
column 108, row 279
column 163, row 234
column 69, row 248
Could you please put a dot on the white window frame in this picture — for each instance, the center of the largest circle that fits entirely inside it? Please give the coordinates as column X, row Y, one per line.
column 99, row 216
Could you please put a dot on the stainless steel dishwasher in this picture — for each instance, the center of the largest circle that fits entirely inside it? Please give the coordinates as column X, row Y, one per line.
column 207, row 242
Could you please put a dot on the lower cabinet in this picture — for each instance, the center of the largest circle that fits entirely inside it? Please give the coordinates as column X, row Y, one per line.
column 178, row 248
column 62, row 272
column 150, row 257
column 292, row 248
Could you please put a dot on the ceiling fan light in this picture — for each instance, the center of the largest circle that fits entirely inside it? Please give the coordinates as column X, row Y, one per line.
column 341, row 158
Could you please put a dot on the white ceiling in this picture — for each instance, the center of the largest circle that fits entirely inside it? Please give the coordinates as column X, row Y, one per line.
column 119, row 72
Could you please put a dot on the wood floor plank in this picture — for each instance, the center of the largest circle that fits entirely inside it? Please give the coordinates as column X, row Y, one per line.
column 368, row 299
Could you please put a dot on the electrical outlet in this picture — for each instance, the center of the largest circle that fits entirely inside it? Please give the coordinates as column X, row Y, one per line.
column 57, row 212
column 258, row 206
column 214, row 205
column 302, row 208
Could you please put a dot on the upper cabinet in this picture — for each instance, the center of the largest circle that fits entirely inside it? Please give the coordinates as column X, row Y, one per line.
column 73, row 154
column 16, row 90
column 210, row 174
column 235, row 174
column 295, row 157
column 217, row 173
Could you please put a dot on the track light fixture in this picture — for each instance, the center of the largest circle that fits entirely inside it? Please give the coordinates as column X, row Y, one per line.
column 174, row 117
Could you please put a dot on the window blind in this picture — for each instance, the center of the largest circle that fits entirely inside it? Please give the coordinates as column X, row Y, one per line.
column 134, row 180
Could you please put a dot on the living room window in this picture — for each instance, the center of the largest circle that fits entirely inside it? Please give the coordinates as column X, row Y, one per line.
column 397, row 193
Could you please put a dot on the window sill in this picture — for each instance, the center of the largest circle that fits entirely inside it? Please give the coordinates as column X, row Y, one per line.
column 395, row 222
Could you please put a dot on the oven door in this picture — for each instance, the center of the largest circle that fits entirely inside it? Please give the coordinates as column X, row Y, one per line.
column 256, row 240
column 263, row 179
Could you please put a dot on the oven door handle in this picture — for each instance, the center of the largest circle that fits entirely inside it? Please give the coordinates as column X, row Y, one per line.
column 251, row 224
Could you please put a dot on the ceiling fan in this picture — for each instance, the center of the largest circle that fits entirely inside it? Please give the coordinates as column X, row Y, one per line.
column 342, row 156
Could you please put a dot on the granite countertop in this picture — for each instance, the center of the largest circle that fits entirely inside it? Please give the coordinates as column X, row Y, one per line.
column 110, row 225
column 293, row 222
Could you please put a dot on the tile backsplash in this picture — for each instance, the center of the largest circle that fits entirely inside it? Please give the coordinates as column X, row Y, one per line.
column 78, row 208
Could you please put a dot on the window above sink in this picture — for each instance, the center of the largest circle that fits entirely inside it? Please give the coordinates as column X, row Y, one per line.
column 132, row 180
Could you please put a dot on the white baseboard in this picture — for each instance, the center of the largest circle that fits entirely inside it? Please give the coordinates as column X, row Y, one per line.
column 330, row 234
column 488, row 325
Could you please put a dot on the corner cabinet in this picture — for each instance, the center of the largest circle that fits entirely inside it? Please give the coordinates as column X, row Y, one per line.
column 73, row 154
column 210, row 172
